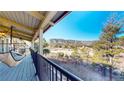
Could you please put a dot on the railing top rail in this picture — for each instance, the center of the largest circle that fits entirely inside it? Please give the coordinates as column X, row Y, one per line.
column 61, row 69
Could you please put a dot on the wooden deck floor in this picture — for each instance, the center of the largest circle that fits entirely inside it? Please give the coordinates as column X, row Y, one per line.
column 25, row 71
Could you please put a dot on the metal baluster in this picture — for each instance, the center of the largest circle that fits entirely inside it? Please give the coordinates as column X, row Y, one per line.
column 60, row 76
column 56, row 75
column 46, row 67
column 67, row 79
column 48, row 71
column 52, row 73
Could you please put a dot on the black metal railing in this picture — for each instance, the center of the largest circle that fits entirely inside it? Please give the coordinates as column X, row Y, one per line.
column 48, row 70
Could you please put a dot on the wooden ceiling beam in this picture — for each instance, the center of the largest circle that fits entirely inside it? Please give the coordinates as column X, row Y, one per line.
column 27, row 36
column 22, row 37
column 47, row 19
column 15, row 31
column 45, row 22
column 17, row 35
column 9, row 23
column 38, row 16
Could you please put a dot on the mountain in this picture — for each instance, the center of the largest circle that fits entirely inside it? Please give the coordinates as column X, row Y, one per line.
column 62, row 42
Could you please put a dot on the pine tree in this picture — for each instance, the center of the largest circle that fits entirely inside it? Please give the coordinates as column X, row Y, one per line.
column 107, row 47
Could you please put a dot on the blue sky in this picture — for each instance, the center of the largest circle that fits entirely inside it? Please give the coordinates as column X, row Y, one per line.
column 79, row 25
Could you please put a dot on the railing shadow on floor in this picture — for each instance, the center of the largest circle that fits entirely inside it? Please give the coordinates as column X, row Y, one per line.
column 50, row 71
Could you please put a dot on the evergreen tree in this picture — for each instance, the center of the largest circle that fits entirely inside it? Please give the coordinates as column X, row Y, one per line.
column 107, row 47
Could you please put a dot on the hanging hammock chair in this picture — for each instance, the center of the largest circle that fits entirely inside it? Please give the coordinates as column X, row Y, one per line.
column 8, row 59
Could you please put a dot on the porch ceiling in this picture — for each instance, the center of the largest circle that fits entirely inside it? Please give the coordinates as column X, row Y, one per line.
column 28, row 23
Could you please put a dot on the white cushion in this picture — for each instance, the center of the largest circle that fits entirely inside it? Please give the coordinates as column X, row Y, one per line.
column 7, row 59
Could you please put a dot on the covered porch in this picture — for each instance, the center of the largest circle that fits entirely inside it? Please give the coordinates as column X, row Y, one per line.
column 29, row 26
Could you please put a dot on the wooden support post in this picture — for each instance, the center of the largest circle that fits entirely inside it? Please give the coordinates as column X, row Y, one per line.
column 32, row 44
column 41, row 42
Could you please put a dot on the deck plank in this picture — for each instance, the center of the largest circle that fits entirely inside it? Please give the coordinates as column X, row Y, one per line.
column 23, row 72
column 33, row 71
column 29, row 75
column 3, row 70
column 25, row 69
column 19, row 77
column 16, row 70
column 20, row 73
